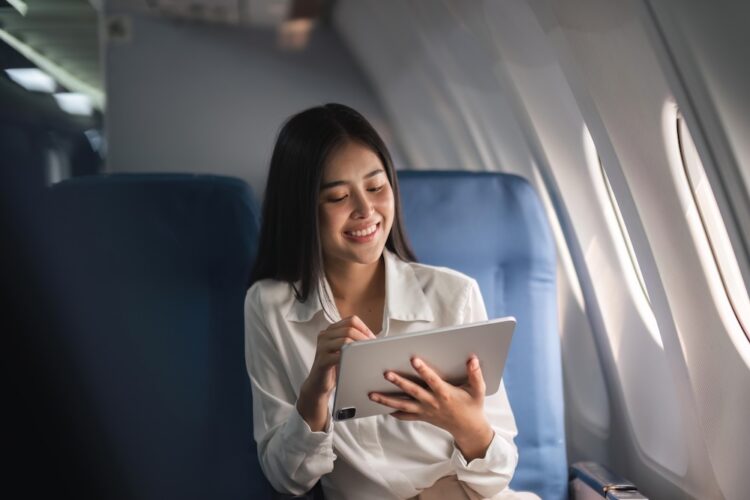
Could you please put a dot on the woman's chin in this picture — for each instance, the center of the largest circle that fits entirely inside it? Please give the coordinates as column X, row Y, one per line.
column 361, row 256
column 369, row 257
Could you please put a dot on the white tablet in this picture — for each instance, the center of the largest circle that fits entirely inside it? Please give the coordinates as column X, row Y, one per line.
column 446, row 350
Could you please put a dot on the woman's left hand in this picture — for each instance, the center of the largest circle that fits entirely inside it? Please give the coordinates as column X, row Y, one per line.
column 458, row 410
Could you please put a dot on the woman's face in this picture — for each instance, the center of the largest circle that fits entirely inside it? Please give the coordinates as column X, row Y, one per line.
column 356, row 206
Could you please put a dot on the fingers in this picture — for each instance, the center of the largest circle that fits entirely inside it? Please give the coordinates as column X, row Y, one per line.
column 437, row 384
column 328, row 359
column 334, row 340
column 335, row 344
column 357, row 323
column 331, row 340
column 476, row 385
column 353, row 322
column 329, row 344
column 400, row 404
column 410, row 388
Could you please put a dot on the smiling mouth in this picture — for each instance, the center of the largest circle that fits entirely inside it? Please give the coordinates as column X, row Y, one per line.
column 363, row 234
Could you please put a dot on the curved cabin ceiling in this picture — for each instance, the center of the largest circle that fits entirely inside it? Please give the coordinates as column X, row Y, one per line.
column 59, row 36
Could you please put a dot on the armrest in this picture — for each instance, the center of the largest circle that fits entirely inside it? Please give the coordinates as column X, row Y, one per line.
column 590, row 480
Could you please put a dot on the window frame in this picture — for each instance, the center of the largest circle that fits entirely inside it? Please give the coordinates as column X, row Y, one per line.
column 739, row 305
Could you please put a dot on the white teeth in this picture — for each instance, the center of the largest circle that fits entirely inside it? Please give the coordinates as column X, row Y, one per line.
column 363, row 232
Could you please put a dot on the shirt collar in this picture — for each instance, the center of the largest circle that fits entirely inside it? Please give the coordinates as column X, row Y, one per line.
column 304, row 311
column 404, row 297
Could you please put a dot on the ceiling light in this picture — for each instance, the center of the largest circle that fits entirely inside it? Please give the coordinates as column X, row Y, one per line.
column 75, row 103
column 32, row 79
column 294, row 34
column 19, row 5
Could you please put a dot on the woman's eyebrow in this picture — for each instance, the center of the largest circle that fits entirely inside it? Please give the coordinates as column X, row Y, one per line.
column 338, row 183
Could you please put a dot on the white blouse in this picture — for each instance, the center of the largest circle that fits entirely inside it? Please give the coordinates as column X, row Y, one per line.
column 376, row 457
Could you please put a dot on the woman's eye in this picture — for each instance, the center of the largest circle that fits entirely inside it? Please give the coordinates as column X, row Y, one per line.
column 336, row 200
column 376, row 189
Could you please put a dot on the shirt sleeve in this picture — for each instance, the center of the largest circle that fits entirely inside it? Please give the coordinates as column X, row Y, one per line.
column 292, row 456
column 491, row 474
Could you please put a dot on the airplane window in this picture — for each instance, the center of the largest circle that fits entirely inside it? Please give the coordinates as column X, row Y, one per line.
column 624, row 231
column 713, row 225
column 627, row 255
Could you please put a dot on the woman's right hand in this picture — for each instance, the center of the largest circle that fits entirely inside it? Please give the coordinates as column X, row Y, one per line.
column 316, row 390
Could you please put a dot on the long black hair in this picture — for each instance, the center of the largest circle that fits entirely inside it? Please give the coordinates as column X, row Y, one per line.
column 290, row 248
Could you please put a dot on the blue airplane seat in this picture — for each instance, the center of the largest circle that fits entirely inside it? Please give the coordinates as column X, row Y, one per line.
column 492, row 227
column 159, row 269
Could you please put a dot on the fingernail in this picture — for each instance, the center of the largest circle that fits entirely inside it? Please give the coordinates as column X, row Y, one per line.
column 416, row 362
column 389, row 376
column 474, row 363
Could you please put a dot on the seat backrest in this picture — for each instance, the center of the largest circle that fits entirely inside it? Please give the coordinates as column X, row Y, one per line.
column 492, row 227
column 160, row 265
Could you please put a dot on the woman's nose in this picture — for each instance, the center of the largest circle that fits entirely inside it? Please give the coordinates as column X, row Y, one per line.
column 362, row 206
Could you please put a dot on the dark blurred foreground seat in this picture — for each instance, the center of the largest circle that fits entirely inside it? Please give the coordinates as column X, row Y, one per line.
column 162, row 263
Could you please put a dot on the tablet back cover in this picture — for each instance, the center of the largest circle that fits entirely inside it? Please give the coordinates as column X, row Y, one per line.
column 446, row 350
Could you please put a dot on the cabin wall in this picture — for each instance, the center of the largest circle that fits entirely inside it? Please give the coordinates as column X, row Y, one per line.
column 580, row 97
column 191, row 97
column 432, row 74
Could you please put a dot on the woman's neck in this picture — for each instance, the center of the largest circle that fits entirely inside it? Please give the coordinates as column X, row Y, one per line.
column 353, row 283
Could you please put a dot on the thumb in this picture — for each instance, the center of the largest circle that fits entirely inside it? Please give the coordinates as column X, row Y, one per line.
column 476, row 379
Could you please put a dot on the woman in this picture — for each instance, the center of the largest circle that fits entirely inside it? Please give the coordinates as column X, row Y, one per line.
column 334, row 266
